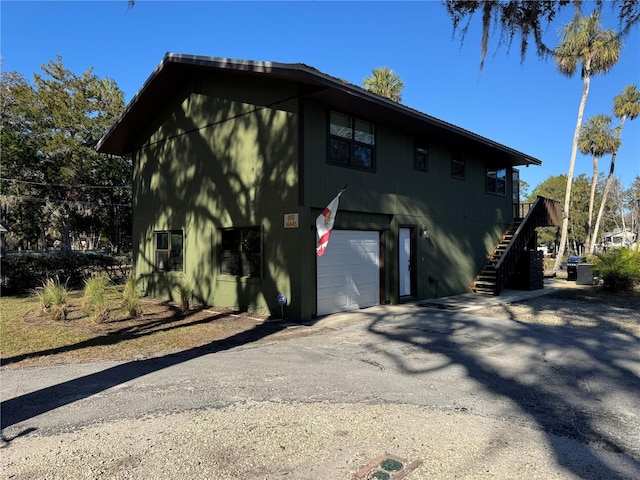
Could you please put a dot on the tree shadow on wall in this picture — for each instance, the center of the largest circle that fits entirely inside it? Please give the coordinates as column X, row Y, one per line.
column 219, row 163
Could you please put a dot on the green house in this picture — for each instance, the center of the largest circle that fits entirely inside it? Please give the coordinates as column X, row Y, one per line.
column 234, row 160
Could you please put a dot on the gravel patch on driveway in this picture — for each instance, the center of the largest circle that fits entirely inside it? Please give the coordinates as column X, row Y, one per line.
column 557, row 309
column 303, row 442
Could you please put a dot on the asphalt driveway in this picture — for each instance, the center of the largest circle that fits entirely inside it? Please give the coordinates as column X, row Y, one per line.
column 451, row 394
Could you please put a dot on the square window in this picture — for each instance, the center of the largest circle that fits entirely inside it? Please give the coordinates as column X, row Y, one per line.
column 351, row 142
column 458, row 167
column 241, row 252
column 420, row 157
column 341, row 125
column 169, row 251
column 364, row 132
column 496, row 181
column 340, row 151
column 162, row 241
column 363, row 156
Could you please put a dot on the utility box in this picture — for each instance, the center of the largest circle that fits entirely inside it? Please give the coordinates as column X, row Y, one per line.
column 572, row 270
column 585, row 274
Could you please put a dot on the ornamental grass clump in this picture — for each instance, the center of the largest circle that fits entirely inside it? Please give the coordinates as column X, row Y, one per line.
column 185, row 295
column 131, row 297
column 95, row 298
column 619, row 269
column 53, row 299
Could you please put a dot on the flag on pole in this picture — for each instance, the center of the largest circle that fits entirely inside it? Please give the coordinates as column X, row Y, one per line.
column 324, row 223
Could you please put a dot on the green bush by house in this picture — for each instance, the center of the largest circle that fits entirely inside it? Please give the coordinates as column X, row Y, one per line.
column 619, row 269
column 28, row 271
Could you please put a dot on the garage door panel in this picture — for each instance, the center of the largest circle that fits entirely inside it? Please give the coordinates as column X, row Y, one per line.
column 348, row 272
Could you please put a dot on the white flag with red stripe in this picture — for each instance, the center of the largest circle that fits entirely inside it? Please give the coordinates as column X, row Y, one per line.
column 324, row 223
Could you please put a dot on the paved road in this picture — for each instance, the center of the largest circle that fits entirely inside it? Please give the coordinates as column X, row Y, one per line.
column 565, row 401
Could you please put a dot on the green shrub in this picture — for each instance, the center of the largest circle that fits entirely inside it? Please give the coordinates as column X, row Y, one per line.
column 131, row 297
column 53, row 299
column 26, row 271
column 619, row 269
column 95, row 298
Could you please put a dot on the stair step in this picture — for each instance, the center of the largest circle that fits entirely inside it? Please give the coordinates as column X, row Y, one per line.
column 485, row 291
column 484, row 284
column 486, row 280
column 488, row 271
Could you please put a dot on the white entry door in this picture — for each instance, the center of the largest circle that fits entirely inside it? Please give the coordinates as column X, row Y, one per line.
column 404, row 261
column 348, row 274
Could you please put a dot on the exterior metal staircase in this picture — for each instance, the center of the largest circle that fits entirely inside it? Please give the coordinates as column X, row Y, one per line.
column 513, row 244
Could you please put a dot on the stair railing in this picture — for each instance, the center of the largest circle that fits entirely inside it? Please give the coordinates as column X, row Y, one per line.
column 544, row 212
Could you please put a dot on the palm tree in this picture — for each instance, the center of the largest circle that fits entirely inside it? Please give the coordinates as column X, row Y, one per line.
column 596, row 138
column 626, row 105
column 583, row 43
column 385, row 82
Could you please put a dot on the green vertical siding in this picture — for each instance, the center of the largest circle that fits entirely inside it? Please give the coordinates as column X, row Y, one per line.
column 464, row 221
column 225, row 157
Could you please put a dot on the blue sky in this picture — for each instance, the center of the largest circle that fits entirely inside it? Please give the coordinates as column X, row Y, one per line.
column 528, row 106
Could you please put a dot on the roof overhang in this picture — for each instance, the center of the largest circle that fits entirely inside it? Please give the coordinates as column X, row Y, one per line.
column 175, row 68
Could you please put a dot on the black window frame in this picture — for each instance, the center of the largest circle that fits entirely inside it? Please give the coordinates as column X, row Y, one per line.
column 348, row 143
column 493, row 184
column 168, row 258
column 241, row 251
column 421, row 157
column 458, row 163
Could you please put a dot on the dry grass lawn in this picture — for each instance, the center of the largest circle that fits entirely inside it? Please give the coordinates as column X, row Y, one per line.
column 30, row 338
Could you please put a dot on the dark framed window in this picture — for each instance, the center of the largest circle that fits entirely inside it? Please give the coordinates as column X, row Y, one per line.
column 458, row 167
column 169, row 250
column 496, row 181
column 241, row 252
column 351, row 141
column 421, row 157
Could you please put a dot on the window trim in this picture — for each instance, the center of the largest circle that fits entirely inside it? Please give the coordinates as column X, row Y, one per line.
column 498, row 180
column 241, row 258
column 169, row 255
column 353, row 143
column 424, row 146
column 457, row 158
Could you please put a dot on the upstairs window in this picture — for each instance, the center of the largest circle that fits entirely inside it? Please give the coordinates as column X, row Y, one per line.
column 420, row 158
column 241, row 253
column 169, row 251
column 496, row 181
column 458, row 167
column 351, row 142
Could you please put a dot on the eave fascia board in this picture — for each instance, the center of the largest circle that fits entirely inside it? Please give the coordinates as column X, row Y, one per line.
column 306, row 74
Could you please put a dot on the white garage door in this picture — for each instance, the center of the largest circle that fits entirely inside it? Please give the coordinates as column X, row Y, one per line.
column 348, row 274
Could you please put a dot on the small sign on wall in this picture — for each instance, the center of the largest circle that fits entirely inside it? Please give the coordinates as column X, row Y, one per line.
column 290, row 220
